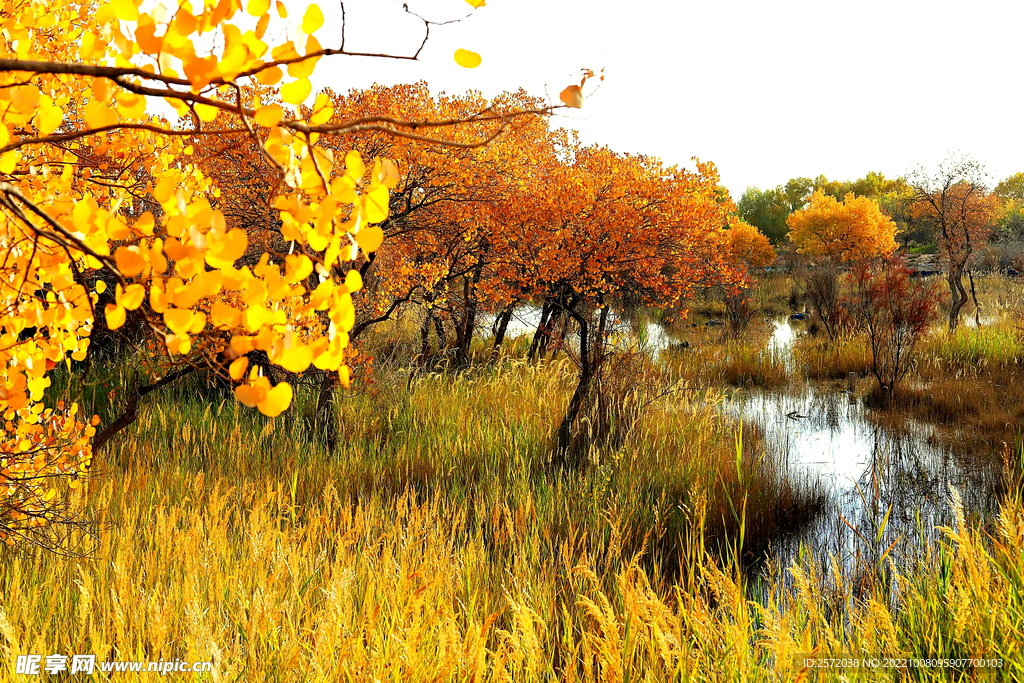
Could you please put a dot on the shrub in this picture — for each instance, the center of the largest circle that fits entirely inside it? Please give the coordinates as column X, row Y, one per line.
column 895, row 312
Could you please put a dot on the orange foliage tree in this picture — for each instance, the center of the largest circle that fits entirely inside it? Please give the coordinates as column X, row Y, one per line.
column 956, row 200
column 592, row 229
column 95, row 190
column 746, row 249
column 442, row 213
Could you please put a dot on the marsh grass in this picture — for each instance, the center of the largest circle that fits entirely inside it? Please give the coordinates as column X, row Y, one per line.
column 227, row 537
column 714, row 360
column 437, row 544
column 821, row 359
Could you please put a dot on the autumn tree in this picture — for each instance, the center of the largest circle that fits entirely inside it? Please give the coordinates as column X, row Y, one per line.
column 956, row 200
column 831, row 234
column 895, row 312
column 1009, row 224
column 605, row 230
column 747, row 249
column 96, row 189
column 842, row 231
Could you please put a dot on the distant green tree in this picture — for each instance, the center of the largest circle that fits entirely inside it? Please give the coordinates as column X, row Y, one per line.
column 1009, row 225
column 766, row 210
column 797, row 190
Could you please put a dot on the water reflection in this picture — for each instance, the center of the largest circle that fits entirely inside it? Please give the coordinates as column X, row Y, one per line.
column 624, row 330
column 889, row 486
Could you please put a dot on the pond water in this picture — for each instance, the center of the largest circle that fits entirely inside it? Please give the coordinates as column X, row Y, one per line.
column 888, row 486
column 526, row 318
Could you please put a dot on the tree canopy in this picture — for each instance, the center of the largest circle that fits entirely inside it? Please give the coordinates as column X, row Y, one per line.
column 850, row 230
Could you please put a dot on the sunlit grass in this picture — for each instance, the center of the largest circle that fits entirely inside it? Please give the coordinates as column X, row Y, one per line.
column 249, row 548
column 438, row 544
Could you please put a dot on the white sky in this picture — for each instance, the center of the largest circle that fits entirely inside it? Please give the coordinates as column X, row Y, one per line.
column 767, row 90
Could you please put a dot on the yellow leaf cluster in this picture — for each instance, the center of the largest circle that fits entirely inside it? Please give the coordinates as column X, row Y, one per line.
column 853, row 229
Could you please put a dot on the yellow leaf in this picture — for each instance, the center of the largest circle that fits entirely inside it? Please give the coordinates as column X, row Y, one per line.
column 8, row 161
column 343, row 190
column 198, row 323
column 129, row 261
column 296, row 92
column 178, row 344
column 224, row 315
column 385, row 173
column 145, row 36
column 117, row 229
column 258, row 7
column 223, row 252
column 251, row 394
column 25, row 98
column 178, row 320
column 476, row 3
column 369, row 239
column 353, row 281
column 206, row 112
column 375, row 204
column 323, row 110
column 270, row 76
column 99, row 115
column 101, row 90
column 572, row 97
column 115, row 316
column 164, row 190
column 312, row 20
column 238, row 367
column 132, row 297
column 125, row 10
column 302, row 69
column 49, row 118
column 295, row 359
column 344, row 376
column 282, row 11
column 298, row 267
column 269, row 115
column 354, row 168
column 130, row 105
column 261, row 25
column 144, row 224
column 277, row 400
column 467, row 58
column 101, row 286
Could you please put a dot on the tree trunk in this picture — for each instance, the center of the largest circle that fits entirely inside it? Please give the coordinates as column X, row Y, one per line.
column 324, row 419
column 500, row 327
column 602, row 324
column 561, row 336
column 974, row 297
column 442, row 339
column 957, row 294
column 131, row 411
column 549, row 330
column 586, row 379
column 603, row 422
column 545, row 313
column 469, row 317
column 425, row 340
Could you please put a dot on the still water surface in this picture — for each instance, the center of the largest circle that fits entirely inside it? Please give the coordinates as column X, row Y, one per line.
column 888, row 487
